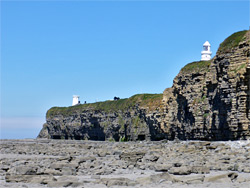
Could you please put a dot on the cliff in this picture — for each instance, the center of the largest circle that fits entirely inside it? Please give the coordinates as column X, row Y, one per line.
column 209, row 100
column 135, row 118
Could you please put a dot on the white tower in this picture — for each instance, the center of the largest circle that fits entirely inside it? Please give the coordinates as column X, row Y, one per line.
column 75, row 100
column 206, row 53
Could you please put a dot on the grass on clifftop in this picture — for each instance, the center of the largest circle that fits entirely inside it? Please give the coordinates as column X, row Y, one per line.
column 152, row 101
column 232, row 41
column 196, row 66
column 226, row 46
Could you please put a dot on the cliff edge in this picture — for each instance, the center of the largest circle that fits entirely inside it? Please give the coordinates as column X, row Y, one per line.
column 135, row 118
column 209, row 100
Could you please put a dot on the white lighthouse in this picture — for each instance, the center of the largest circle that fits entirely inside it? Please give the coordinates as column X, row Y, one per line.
column 206, row 53
column 75, row 100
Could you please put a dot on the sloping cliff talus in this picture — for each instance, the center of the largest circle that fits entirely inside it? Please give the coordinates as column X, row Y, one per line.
column 209, row 100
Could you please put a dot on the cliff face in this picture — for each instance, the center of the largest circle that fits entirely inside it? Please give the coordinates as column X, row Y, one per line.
column 136, row 118
column 209, row 100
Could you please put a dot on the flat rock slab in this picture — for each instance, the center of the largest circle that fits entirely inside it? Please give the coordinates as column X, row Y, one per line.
column 62, row 163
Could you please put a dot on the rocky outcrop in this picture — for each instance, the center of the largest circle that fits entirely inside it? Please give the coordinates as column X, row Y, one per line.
column 136, row 118
column 209, row 100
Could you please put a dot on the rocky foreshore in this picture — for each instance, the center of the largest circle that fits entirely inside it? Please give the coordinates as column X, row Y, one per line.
column 71, row 163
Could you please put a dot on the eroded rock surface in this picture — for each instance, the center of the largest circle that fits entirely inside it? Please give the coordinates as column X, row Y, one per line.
column 211, row 100
column 71, row 163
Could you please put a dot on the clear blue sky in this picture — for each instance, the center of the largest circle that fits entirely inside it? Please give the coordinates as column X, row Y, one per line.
column 98, row 50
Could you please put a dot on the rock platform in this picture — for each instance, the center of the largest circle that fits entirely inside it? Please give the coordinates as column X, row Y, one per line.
column 70, row 163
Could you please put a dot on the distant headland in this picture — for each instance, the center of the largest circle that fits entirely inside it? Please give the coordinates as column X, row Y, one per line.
column 209, row 100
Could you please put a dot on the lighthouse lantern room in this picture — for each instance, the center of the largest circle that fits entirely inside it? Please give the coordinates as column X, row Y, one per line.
column 206, row 52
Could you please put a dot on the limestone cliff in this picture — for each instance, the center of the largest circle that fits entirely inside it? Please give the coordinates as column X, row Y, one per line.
column 135, row 118
column 209, row 100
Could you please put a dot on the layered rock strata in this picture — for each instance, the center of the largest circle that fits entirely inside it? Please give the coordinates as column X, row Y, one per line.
column 136, row 118
column 209, row 100
column 73, row 163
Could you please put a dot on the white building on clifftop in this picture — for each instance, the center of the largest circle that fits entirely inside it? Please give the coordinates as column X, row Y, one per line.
column 75, row 100
column 206, row 53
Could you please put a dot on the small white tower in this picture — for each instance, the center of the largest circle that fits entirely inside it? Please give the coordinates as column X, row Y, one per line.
column 75, row 100
column 206, row 53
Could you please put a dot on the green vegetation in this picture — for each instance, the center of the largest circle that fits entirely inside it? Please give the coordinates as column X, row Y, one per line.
column 205, row 115
column 136, row 121
column 203, row 98
column 196, row 66
column 111, row 139
column 226, row 46
column 123, row 139
column 152, row 101
column 239, row 68
column 121, row 123
column 232, row 41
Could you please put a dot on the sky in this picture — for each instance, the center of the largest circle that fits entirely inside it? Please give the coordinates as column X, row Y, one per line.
column 51, row 50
